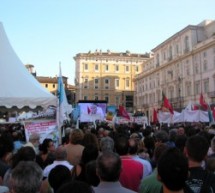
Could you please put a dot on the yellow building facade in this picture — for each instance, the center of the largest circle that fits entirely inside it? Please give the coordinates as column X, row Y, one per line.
column 108, row 76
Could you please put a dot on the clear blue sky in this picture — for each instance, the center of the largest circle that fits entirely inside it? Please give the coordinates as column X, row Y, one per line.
column 44, row 32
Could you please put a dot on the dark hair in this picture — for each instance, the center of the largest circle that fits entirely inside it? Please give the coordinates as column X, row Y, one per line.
column 173, row 169
column 91, row 176
column 108, row 166
column 197, row 148
column 75, row 187
column 26, row 153
column 121, row 145
column 180, row 142
column 59, row 175
column 89, row 153
column 45, row 145
column 133, row 146
column 161, row 136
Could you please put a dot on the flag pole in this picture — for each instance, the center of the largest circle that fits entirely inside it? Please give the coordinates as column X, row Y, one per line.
column 59, row 109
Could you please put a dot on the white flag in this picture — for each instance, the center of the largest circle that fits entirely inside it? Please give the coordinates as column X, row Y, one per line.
column 64, row 108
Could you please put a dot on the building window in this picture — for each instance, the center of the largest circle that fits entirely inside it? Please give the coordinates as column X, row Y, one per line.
column 157, row 60
column 204, row 54
column 164, row 55
column 85, row 67
column 96, row 67
column 197, row 87
column 127, row 68
column 46, row 85
column 106, row 98
column 188, row 89
column 206, row 86
column 137, row 68
column 186, row 44
column 96, row 87
column 53, row 86
column 177, row 49
column 117, row 68
column 116, row 83
column 127, row 83
column 188, row 70
column 96, row 97
column 96, row 80
column 106, row 68
column 205, row 65
column 85, row 98
column 196, row 68
column 170, row 53
column 106, row 81
column 86, row 80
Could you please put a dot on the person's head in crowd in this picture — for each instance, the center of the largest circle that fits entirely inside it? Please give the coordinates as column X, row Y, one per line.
column 59, row 175
column 108, row 166
column 47, row 146
column 26, row 153
column 121, row 145
column 196, row 148
column 34, row 141
column 181, row 130
column 90, row 139
column 90, row 152
column 75, row 187
column 172, row 134
column 161, row 136
column 106, row 144
column 76, row 136
column 180, row 142
column 133, row 146
column 91, row 176
column 158, row 152
column 34, row 138
column 17, row 136
column 150, row 145
column 26, row 177
column 147, row 131
column 206, row 135
column 172, row 170
column 60, row 153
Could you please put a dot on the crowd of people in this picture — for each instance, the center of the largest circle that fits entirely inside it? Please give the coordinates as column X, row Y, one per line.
column 125, row 158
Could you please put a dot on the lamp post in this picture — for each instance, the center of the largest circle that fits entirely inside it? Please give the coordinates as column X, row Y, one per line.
column 179, row 91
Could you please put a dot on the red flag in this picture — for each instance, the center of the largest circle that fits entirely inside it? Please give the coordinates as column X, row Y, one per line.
column 195, row 107
column 123, row 112
column 155, row 116
column 202, row 102
column 167, row 105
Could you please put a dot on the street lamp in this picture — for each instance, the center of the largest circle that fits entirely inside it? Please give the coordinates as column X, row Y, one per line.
column 179, row 91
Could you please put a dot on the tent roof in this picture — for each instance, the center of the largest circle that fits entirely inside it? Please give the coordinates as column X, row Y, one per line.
column 17, row 86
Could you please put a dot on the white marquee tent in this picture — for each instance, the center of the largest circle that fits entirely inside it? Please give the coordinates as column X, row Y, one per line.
column 18, row 88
